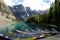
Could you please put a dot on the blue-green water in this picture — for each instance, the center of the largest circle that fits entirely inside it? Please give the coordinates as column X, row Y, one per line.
column 18, row 26
column 25, row 26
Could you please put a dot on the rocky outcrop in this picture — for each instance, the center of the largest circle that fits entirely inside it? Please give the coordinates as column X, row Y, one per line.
column 5, row 14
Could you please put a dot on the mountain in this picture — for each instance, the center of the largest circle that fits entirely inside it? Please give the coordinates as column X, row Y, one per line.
column 22, row 13
column 41, row 12
column 19, row 12
column 5, row 14
column 29, row 11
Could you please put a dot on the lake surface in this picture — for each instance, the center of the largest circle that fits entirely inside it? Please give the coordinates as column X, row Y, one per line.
column 28, row 28
column 24, row 27
column 4, row 28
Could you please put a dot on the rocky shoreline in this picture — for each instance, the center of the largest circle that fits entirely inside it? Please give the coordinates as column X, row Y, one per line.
column 55, row 37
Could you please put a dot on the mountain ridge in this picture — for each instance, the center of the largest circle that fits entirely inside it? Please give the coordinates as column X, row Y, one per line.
column 21, row 12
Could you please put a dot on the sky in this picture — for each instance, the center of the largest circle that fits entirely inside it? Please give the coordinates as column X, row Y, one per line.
column 33, row 4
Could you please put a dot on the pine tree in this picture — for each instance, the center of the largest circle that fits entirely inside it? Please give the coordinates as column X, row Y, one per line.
column 57, row 12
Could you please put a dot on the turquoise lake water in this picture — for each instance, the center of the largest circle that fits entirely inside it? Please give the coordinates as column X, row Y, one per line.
column 19, row 26
column 24, row 27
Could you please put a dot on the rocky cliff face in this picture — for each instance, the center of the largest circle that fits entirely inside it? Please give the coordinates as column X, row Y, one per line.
column 19, row 12
column 5, row 14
